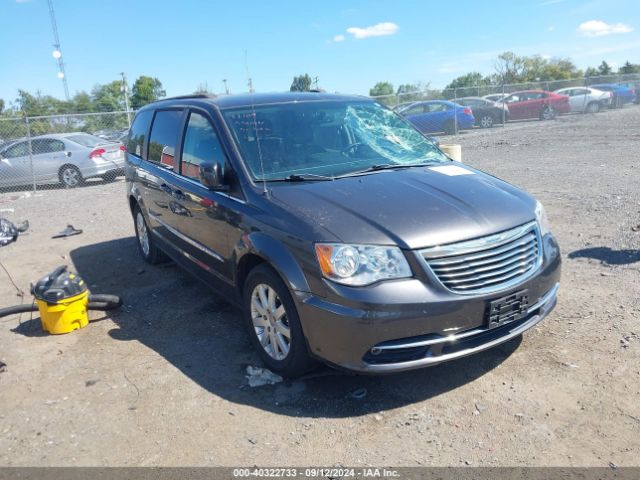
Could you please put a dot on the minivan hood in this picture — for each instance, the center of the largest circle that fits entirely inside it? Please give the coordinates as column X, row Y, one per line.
column 412, row 208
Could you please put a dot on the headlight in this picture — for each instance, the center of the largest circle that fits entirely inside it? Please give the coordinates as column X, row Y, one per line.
column 543, row 221
column 359, row 265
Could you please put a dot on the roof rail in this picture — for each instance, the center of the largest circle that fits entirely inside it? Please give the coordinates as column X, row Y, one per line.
column 193, row 95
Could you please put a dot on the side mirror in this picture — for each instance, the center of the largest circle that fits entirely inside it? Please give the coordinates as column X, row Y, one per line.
column 212, row 175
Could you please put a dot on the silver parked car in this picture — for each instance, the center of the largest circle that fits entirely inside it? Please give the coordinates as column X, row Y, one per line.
column 586, row 99
column 65, row 158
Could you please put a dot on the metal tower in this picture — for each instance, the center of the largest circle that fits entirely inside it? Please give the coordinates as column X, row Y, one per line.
column 57, row 53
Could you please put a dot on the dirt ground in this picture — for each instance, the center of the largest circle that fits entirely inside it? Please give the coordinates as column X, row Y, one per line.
column 162, row 381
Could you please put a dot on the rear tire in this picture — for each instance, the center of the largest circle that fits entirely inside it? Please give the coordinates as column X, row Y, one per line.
column 486, row 121
column 146, row 244
column 593, row 107
column 70, row 176
column 274, row 325
column 450, row 127
column 548, row 113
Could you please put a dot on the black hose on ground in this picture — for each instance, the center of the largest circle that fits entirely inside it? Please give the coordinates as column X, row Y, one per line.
column 96, row 302
column 18, row 309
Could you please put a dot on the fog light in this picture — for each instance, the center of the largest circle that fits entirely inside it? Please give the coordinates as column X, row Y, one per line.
column 376, row 351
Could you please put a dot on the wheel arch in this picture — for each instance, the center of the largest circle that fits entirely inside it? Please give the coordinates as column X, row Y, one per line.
column 259, row 248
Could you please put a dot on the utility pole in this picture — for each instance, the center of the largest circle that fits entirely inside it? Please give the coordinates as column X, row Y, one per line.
column 57, row 53
column 315, row 80
column 226, row 87
column 124, row 88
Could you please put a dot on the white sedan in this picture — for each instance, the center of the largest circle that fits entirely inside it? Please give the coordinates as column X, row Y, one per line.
column 586, row 99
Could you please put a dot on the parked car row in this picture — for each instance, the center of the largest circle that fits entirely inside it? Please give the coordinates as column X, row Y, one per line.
column 434, row 116
column 64, row 158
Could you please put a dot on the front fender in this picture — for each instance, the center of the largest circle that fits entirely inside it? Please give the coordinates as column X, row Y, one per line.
column 277, row 254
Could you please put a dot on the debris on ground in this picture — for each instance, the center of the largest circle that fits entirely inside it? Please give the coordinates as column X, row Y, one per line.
column 358, row 393
column 257, row 377
column 3, row 367
column 68, row 232
column 9, row 232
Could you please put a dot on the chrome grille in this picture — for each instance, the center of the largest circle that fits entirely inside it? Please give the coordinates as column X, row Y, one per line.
column 487, row 264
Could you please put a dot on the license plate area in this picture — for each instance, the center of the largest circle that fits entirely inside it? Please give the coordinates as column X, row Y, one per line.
column 507, row 309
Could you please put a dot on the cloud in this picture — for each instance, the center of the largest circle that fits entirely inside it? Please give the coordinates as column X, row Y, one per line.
column 378, row 30
column 338, row 38
column 551, row 28
column 598, row 28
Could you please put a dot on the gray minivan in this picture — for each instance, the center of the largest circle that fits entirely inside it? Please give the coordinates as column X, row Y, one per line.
column 342, row 233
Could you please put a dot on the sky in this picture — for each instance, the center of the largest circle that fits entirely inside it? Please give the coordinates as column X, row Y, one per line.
column 348, row 45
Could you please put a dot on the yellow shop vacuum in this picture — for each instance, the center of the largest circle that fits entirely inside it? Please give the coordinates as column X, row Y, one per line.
column 63, row 300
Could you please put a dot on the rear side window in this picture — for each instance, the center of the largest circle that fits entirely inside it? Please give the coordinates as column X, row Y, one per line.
column 201, row 145
column 138, row 132
column 164, row 137
column 46, row 145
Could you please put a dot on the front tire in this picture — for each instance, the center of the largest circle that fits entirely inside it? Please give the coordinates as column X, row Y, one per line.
column 70, row 176
column 146, row 244
column 274, row 325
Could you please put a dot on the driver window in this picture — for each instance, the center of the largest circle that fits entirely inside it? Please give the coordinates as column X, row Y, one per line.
column 201, row 145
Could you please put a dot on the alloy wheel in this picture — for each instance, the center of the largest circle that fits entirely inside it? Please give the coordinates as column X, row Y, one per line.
column 486, row 121
column 270, row 321
column 71, row 176
column 143, row 234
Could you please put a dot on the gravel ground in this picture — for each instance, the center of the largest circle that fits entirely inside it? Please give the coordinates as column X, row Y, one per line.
column 162, row 381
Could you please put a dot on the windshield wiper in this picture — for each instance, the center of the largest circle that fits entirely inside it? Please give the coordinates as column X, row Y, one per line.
column 301, row 177
column 386, row 166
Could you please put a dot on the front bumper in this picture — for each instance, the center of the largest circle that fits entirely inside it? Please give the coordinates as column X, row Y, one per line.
column 409, row 324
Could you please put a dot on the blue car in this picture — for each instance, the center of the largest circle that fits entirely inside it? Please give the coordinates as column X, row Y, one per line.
column 621, row 94
column 438, row 116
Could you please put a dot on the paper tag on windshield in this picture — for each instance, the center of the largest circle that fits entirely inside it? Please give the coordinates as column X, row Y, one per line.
column 452, row 170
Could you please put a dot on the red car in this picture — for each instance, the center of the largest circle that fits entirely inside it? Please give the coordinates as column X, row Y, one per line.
column 536, row 104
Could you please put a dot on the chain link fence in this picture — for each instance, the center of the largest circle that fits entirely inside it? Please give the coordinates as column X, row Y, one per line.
column 450, row 111
column 62, row 150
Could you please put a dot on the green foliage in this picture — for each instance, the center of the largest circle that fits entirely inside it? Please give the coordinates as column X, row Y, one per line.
column 626, row 68
column 108, row 97
column 1, row 105
column 146, row 90
column 591, row 72
column 381, row 88
column 604, row 68
column 511, row 68
column 301, row 83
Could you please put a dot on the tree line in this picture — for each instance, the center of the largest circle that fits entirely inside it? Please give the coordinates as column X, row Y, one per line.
column 509, row 68
column 108, row 97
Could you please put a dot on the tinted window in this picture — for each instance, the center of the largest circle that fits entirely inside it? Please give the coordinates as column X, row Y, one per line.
column 164, row 137
column 437, row 107
column 46, row 145
column 201, row 145
column 18, row 150
column 413, row 110
column 138, row 132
